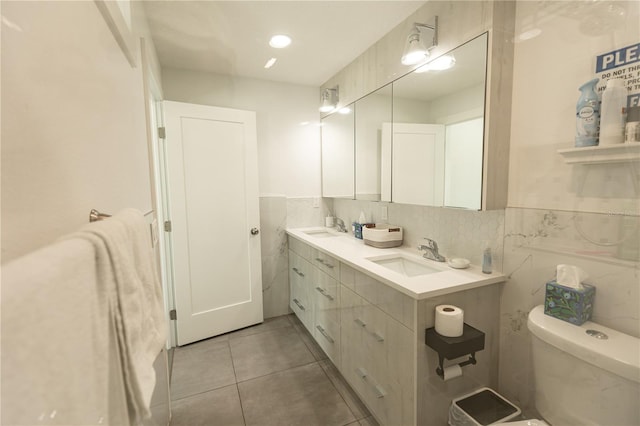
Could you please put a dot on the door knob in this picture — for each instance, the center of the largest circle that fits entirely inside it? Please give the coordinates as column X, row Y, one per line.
column 255, row 231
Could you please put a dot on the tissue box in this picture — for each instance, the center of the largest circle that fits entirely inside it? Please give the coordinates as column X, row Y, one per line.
column 357, row 228
column 569, row 304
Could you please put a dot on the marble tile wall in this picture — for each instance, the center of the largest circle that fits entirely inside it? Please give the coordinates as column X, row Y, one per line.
column 275, row 279
column 605, row 246
column 276, row 214
column 459, row 233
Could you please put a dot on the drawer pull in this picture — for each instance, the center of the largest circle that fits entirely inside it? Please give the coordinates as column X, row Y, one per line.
column 360, row 322
column 299, row 304
column 323, row 292
column 380, row 392
column 324, row 333
column 378, row 337
column 328, row 265
column 361, row 372
column 298, row 272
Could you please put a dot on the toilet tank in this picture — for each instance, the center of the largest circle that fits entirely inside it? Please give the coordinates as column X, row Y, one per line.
column 581, row 379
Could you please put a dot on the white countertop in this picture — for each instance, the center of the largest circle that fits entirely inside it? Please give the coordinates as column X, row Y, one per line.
column 354, row 253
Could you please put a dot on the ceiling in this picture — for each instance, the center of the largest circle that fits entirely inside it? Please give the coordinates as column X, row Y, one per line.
column 232, row 37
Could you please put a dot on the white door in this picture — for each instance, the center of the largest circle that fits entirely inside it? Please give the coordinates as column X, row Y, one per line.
column 213, row 192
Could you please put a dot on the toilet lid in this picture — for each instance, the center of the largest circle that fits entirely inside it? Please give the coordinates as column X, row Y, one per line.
column 532, row 422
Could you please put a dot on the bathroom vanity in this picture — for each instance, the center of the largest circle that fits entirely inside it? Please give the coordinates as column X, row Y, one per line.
column 368, row 309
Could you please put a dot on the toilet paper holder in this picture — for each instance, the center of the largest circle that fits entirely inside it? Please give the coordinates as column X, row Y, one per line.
column 471, row 341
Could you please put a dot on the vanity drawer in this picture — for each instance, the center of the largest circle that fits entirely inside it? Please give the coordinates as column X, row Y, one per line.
column 300, row 306
column 303, row 249
column 383, row 396
column 300, row 271
column 327, row 334
column 326, row 295
column 377, row 358
column 299, row 282
column 393, row 302
column 348, row 276
column 326, row 263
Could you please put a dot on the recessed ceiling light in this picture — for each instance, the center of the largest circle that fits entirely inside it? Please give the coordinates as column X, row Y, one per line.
column 279, row 41
column 270, row 63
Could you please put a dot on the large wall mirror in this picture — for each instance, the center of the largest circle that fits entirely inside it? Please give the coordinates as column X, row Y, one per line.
column 435, row 154
column 418, row 140
column 338, row 154
column 372, row 113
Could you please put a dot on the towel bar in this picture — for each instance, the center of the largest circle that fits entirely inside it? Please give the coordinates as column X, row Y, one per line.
column 95, row 215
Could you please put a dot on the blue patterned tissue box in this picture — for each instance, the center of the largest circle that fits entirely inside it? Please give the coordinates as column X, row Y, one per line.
column 569, row 304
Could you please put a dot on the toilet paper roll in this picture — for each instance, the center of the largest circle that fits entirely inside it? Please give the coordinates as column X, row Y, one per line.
column 452, row 372
column 449, row 320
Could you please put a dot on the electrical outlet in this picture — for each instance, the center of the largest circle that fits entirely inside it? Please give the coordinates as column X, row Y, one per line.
column 316, row 202
column 384, row 213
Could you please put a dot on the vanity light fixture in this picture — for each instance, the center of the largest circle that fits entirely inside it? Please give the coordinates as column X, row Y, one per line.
column 280, row 41
column 329, row 99
column 441, row 63
column 344, row 110
column 421, row 39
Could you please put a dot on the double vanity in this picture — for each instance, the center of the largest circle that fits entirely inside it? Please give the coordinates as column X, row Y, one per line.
column 368, row 309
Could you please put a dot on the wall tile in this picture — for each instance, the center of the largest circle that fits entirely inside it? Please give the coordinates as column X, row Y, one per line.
column 536, row 241
column 275, row 279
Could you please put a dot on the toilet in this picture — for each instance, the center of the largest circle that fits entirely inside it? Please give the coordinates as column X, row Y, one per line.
column 584, row 375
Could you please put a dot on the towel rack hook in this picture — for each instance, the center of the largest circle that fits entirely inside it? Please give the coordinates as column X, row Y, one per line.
column 95, row 215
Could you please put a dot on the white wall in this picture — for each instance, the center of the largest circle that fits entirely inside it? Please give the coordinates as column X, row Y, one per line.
column 288, row 153
column 73, row 123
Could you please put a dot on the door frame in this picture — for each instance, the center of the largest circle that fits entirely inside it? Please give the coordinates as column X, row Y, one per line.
column 153, row 97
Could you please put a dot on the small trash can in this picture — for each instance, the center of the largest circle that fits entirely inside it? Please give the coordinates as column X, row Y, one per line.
column 480, row 408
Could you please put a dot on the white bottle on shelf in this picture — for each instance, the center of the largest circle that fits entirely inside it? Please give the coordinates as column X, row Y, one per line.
column 613, row 112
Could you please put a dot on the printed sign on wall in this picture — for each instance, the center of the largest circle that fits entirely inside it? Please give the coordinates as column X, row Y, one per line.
column 624, row 64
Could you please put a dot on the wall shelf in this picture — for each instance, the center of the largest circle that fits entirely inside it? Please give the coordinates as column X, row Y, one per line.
column 602, row 154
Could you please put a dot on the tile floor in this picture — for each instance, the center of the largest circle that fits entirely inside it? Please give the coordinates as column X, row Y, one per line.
column 269, row 374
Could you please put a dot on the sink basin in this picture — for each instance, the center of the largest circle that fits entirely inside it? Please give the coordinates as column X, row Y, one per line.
column 404, row 265
column 320, row 233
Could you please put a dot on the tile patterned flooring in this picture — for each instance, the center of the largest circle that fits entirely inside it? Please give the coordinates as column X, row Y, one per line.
column 269, row 374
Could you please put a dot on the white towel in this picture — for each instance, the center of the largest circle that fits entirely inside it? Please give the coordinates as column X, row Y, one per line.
column 125, row 257
column 58, row 349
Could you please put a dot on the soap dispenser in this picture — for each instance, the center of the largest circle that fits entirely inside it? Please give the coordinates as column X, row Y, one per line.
column 587, row 115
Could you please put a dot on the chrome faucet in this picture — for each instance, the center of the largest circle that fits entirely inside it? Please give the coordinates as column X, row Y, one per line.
column 431, row 250
column 340, row 225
